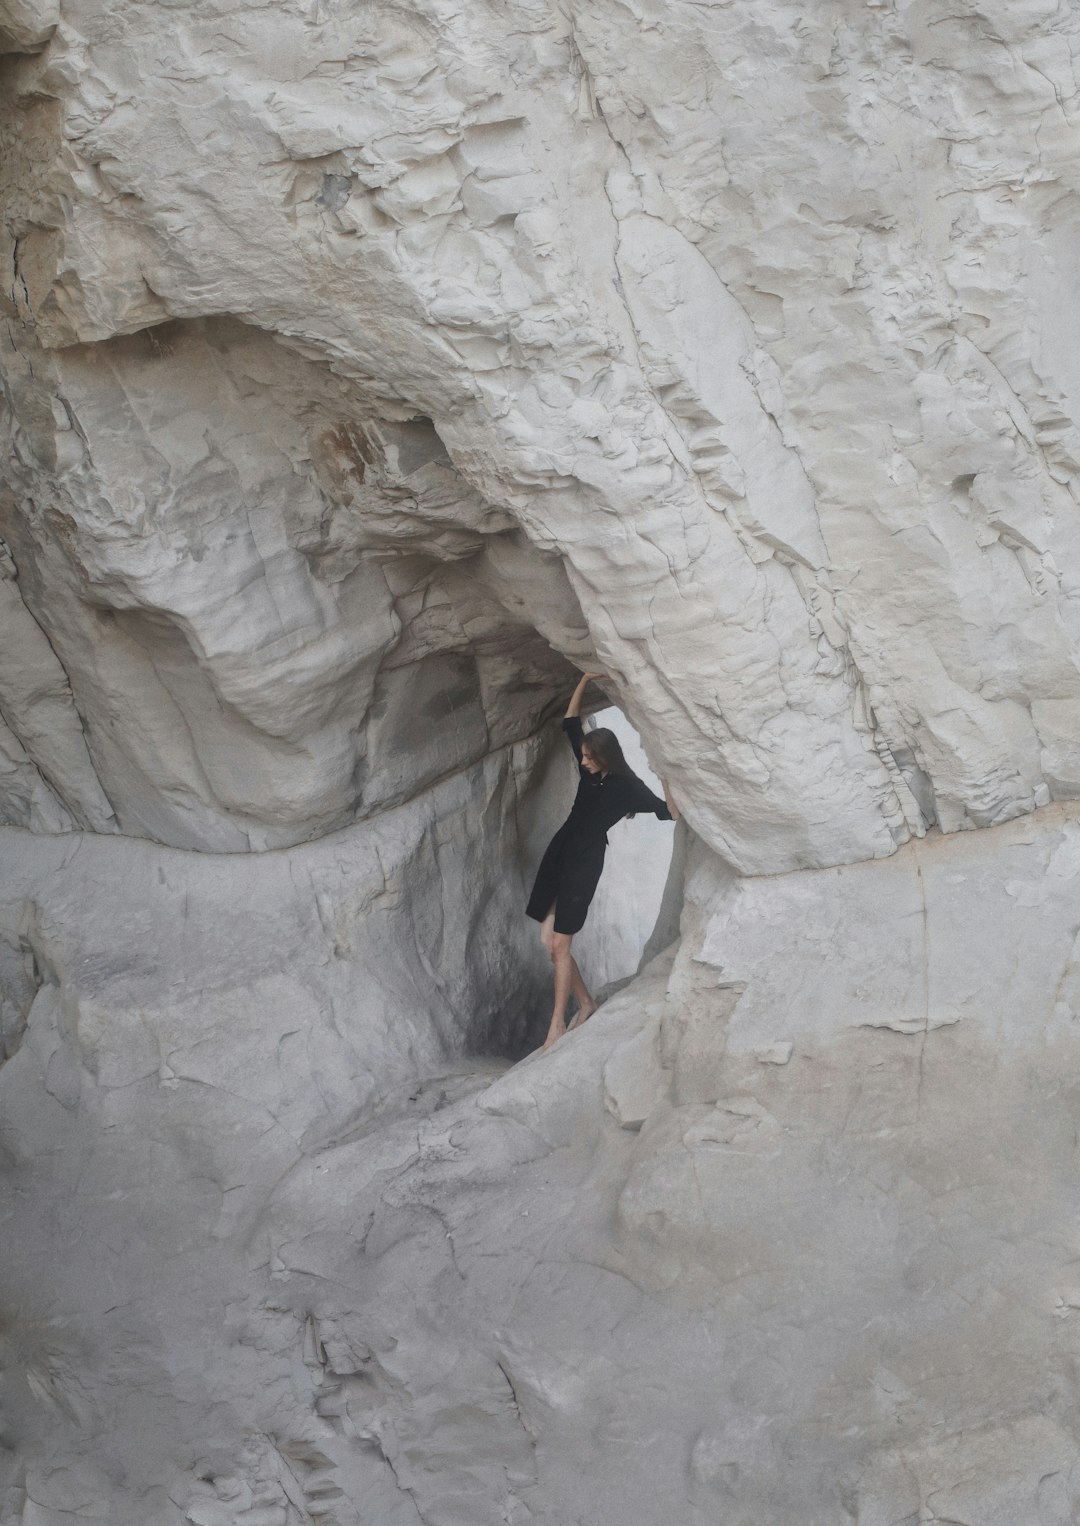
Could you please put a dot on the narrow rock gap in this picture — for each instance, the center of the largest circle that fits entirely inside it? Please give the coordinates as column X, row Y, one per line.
column 629, row 901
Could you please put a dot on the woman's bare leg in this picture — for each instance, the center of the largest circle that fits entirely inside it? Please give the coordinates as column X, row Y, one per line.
column 586, row 1006
column 547, row 932
column 547, row 938
column 562, row 959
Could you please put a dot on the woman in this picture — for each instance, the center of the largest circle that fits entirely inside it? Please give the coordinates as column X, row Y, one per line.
column 570, row 869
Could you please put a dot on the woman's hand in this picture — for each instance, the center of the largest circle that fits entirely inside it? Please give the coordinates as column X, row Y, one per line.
column 574, row 707
column 676, row 814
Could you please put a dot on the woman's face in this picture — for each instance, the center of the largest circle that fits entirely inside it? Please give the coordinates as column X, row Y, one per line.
column 589, row 763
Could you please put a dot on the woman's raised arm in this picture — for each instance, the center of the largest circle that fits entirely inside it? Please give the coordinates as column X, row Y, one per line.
column 574, row 707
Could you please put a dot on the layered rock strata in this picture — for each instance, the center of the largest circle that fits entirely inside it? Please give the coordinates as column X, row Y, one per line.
column 347, row 353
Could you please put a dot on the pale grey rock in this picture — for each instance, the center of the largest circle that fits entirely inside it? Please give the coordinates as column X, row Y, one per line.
column 787, row 449
column 304, row 983
column 28, row 800
column 36, row 703
column 366, row 372
column 610, row 1283
column 775, row 1054
column 261, row 658
column 27, row 25
column 634, row 1076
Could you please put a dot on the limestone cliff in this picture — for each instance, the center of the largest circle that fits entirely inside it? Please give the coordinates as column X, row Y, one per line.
column 367, row 369
column 356, row 353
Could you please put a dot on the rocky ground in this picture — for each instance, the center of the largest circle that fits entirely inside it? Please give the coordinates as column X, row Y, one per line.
column 787, row 1232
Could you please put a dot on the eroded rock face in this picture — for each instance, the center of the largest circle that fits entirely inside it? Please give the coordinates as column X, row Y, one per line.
column 457, row 335
column 391, row 947
column 779, row 1236
column 366, row 370
column 280, row 620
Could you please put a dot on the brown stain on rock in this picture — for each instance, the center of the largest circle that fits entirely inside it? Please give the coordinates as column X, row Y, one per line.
column 346, row 452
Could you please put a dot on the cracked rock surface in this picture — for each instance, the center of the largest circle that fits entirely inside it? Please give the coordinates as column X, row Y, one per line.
column 356, row 360
column 367, row 371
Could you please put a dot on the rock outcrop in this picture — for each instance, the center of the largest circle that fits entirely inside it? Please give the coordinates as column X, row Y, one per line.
column 785, row 1234
column 367, row 371
column 357, row 359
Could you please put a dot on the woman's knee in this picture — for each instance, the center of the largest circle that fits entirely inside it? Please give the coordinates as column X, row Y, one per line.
column 560, row 946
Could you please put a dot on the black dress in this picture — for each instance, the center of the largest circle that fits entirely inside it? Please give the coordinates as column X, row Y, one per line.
column 570, row 868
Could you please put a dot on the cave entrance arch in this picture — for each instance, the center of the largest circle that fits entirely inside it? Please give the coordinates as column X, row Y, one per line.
column 634, row 911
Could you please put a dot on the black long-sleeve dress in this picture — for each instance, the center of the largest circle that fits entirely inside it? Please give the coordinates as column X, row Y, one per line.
column 571, row 866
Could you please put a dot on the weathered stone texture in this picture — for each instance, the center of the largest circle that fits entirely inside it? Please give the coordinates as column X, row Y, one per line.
column 731, row 347
column 368, row 369
column 785, row 1234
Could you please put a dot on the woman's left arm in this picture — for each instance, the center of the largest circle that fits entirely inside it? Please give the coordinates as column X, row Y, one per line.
column 646, row 802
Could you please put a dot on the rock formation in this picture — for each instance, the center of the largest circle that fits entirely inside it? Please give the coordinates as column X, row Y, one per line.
column 367, row 370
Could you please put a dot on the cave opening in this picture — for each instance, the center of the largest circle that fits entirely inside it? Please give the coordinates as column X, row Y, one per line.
column 633, row 914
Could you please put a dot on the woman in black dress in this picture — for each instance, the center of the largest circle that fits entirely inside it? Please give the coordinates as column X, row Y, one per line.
column 571, row 866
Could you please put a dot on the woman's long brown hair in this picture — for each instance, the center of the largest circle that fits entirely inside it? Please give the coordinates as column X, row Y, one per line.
column 604, row 746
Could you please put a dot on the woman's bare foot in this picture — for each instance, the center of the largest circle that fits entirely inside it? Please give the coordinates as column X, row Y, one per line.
column 584, row 1012
column 555, row 1032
